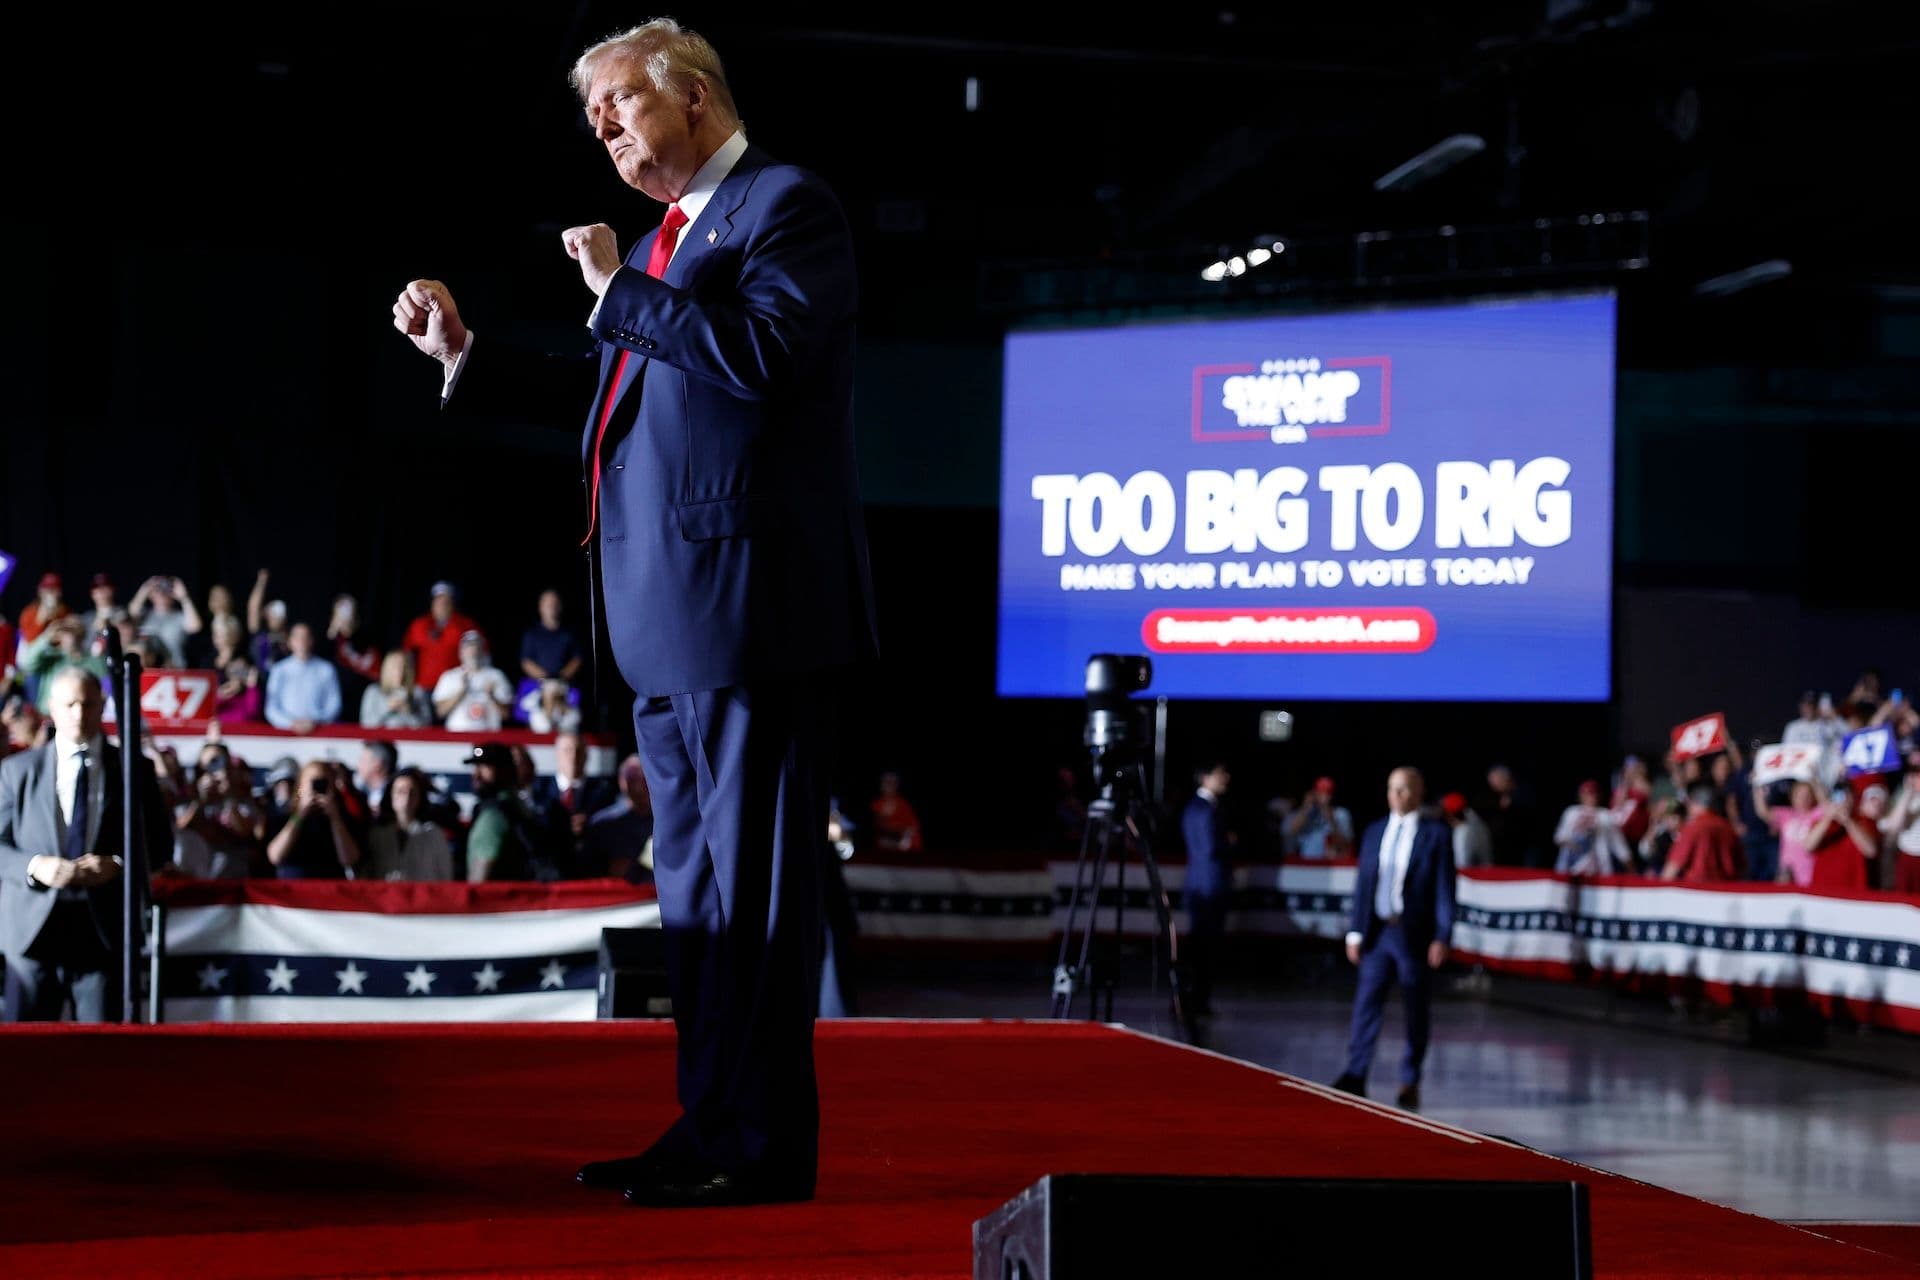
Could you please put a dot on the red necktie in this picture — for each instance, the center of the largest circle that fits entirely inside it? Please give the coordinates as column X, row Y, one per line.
column 657, row 268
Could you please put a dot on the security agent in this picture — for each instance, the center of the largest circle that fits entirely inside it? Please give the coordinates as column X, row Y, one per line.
column 1400, row 928
column 61, row 860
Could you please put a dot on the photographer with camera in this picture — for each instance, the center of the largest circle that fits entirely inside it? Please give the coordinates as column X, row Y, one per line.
column 216, row 824
column 318, row 841
column 1319, row 828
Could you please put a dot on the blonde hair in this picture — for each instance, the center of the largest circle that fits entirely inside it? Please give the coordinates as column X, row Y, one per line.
column 673, row 57
column 396, row 670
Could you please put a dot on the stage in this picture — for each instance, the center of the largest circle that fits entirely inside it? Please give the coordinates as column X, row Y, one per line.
column 262, row 1151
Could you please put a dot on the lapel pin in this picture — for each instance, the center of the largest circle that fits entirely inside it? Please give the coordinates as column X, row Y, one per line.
column 713, row 235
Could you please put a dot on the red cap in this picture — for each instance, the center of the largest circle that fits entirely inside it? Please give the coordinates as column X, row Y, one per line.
column 101, row 580
column 1453, row 803
column 1590, row 785
column 1323, row 785
column 49, row 582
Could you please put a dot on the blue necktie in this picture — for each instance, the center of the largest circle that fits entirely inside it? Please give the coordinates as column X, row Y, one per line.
column 77, row 824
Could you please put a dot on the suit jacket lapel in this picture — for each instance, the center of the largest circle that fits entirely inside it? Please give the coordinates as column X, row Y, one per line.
column 715, row 224
column 697, row 239
column 46, row 794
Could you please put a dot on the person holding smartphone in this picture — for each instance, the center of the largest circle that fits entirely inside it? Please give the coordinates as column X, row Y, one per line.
column 318, row 842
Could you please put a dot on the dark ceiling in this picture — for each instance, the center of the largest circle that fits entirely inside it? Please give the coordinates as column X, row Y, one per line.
column 447, row 137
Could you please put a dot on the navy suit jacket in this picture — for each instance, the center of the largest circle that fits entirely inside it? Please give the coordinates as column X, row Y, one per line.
column 1205, row 829
column 1427, row 896
column 731, row 540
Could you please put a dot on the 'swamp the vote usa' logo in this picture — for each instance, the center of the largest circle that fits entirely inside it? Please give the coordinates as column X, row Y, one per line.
column 1293, row 400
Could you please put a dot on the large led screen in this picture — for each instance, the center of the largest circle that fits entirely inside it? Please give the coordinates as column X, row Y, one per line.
column 1396, row 504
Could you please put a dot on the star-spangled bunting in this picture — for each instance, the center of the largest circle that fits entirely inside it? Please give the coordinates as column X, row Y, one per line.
column 280, row 978
column 317, row 976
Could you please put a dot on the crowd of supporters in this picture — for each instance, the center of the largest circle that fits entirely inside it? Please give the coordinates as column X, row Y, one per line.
column 1832, row 825
column 284, row 671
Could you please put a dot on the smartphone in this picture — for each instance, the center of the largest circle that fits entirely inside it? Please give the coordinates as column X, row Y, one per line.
column 322, row 784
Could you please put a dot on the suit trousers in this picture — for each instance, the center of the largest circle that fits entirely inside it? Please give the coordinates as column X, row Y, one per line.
column 740, row 798
column 1392, row 956
column 1206, row 927
column 67, row 962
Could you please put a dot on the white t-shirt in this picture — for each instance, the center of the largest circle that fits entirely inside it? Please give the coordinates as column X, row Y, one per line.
column 479, row 710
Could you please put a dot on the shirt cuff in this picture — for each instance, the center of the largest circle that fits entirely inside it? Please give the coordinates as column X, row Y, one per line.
column 453, row 374
column 1355, row 939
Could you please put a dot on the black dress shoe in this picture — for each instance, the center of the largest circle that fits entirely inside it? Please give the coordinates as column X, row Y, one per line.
column 617, row 1175
column 691, row 1189
column 1409, row 1097
column 1350, row 1083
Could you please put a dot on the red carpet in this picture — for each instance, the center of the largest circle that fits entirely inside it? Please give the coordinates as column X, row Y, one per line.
column 1898, row 1239
column 296, row 1151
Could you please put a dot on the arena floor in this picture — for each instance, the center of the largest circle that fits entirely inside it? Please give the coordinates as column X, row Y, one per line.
column 1627, row 1085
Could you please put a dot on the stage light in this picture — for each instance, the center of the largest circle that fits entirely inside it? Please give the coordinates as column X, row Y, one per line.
column 1216, row 271
column 1432, row 162
column 1745, row 278
column 1236, row 265
column 1257, row 257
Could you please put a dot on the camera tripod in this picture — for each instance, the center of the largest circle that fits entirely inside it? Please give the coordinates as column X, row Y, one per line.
column 1119, row 813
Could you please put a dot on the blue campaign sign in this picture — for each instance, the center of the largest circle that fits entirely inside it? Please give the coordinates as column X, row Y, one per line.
column 1871, row 751
column 1395, row 504
column 526, row 699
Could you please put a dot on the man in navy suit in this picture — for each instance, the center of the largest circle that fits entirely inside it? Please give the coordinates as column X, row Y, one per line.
column 1399, row 929
column 1208, row 885
column 721, row 499
column 61, row 861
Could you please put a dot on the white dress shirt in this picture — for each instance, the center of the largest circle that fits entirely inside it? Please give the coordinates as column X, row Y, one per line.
column 1396, row 852
column 66, row 772
column 693, row 202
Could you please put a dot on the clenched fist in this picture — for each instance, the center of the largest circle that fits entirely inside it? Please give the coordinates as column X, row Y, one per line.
column 597, row 250
column 426, row 314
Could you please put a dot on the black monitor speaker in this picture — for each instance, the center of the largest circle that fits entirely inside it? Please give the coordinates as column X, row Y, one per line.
column 633, row 974
column 1083, row 1226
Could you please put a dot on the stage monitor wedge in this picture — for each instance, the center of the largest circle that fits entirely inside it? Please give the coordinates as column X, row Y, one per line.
column 1097, row 1226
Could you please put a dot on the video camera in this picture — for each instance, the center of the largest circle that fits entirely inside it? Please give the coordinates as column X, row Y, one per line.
column 1116, row 732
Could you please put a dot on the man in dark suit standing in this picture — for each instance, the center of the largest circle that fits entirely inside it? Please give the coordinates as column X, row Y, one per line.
column 1400, row 928
column 61, row 861
column 722, row 502
column 1207, row 887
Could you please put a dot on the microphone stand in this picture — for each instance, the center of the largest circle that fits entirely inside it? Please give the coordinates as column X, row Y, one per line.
column 123, row 673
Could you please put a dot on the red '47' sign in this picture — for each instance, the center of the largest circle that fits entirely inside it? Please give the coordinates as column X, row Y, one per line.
column 1700, row 737
column 178, row 699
